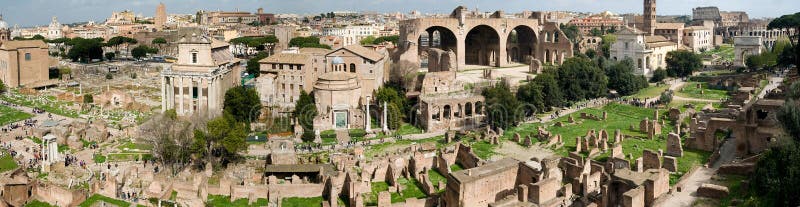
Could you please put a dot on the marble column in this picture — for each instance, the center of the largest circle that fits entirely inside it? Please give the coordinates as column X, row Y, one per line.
column 368, row 126
column 385, row 127
column 180, row 97
column 200, row 94
column 211, row 95
column 191, row 95
column 163, row 94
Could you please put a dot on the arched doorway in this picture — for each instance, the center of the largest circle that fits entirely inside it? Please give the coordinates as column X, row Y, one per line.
column 435, row 37
column 482, row 46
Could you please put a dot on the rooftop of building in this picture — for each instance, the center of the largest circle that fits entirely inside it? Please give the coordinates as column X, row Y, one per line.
column 16, row 44
column 362, row 51
column 287, row 58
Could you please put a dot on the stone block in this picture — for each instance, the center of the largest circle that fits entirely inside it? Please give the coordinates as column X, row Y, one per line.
column 650, row 160
column 674, row 145
column 712, row 191
column 384, row 199
column 670, row 163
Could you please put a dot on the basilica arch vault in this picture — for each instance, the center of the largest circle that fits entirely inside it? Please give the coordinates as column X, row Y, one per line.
column 480, row 40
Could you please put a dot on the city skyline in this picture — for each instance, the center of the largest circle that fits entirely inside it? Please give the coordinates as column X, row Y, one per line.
column 39, row 12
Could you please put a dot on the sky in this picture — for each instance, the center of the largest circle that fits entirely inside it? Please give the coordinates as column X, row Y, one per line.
column 39, row 12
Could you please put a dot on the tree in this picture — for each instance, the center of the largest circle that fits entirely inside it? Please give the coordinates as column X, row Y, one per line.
column 367, row 40
column 580, row 78
column 621, row 78
column 199, row 148
column 531, row 95
column 394, row 39
column 790, row 22
column 170, row 138
column 64, row 71
column 120, row 40
column 596, row 32
column 88, row 98
column 142, row 50
column 37, row 37
column 159, row 42
column 2, row 87
column 396, row 104
column 551, row 91
column 682, row 63
column 85, row 50
column 305, row 111
column 607, row 41
column 502, row 107
column 242, row 103
column 253, row 67
column 110, row 55
column 658, row 75
column 312, row 42
column 571, row 31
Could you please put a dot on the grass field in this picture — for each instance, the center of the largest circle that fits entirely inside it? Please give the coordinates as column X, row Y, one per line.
column 225, row 201
column 725, row 51
column 53, row 106
column 10, row 115
column 37, row 203
column 619, row 117
column 301, row 202
column 435, row 177
column 7, row 162
column 650, row 92
column 690, row 90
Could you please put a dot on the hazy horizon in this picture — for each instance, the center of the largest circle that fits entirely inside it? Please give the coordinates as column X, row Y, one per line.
column 38, row 12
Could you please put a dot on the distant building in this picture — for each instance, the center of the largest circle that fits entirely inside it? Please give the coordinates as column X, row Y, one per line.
column 54, row 29
column 602, row 22
column 223, row 17
column 649, row 16
column 161, row 16
column 284, row 75
column 699, row 38
column 123, row 17
column 266, row 18
column 24, row 63
column 197, row 82
column 648, row 52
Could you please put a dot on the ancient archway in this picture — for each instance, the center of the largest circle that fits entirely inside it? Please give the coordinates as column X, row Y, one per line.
column 435, row 37
column 482, row 46
column 523, row 41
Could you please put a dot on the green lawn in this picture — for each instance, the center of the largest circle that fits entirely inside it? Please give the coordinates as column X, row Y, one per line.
column 650, row 92
column 52, row 106
column 97, row 198
column 435, row 177
column 725, row 51
column 483, row 149
column 690, row 90
column 98, row 158
column 408, row 129
column 302, row 202
column 225, row 201
column 7, row 162
column 131, row 147
column 412, row 190
column 37, row 203
column 456, row 167
column 10, row 115
column 371, row 199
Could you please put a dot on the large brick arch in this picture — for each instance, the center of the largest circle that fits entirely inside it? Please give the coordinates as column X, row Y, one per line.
column 410, row 31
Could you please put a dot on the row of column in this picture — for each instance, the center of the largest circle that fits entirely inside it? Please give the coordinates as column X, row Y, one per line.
column 185, row 99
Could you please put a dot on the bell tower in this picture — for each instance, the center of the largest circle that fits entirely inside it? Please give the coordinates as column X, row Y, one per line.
column 649, row 17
